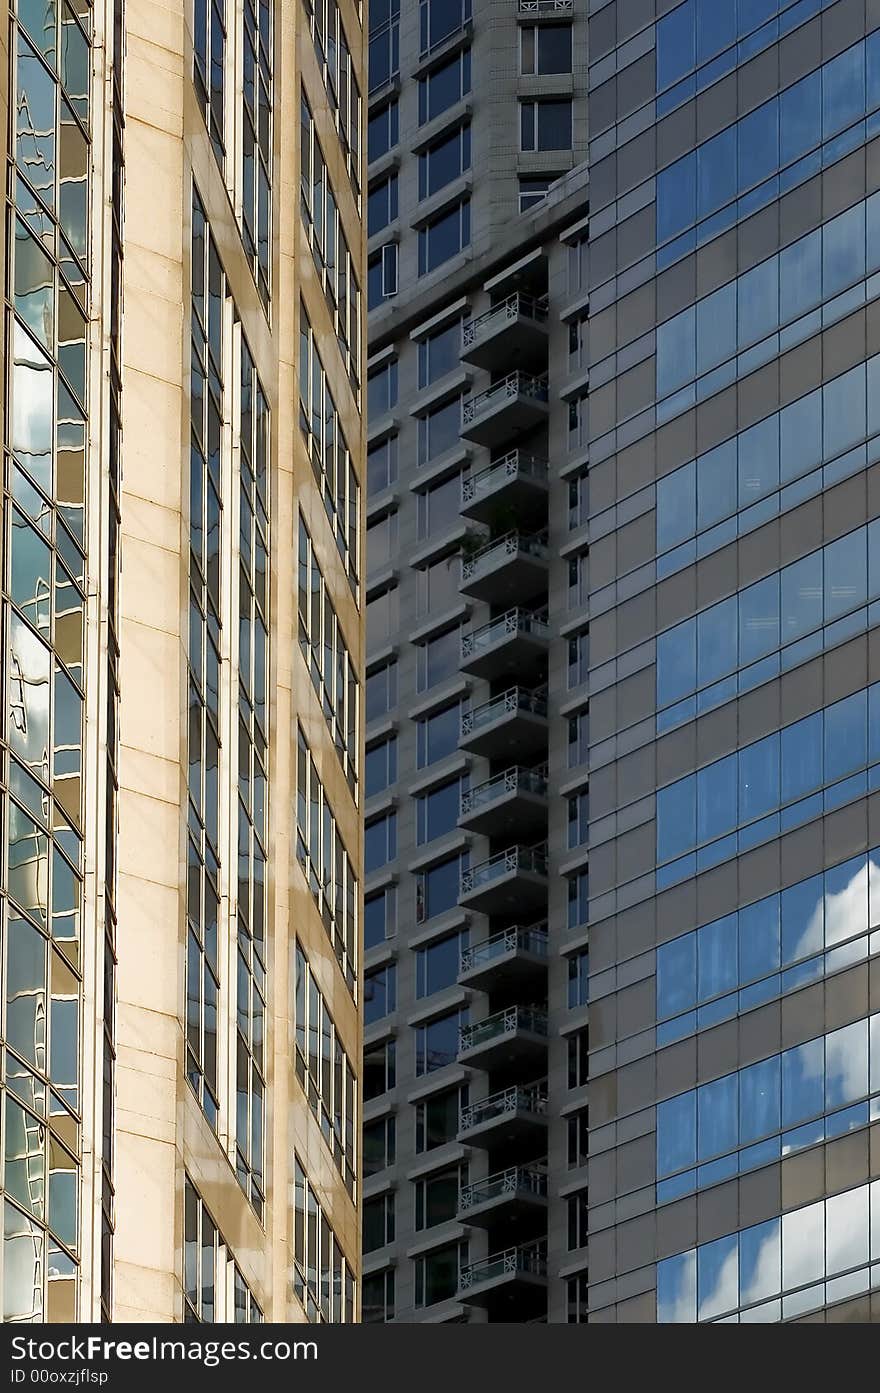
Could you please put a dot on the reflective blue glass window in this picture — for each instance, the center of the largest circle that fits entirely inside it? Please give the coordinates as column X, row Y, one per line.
column 846, row 736
column 718, row 1277
column 716, row 641
column 801, row 746
column 759, row 778
column 846, row 1064
column 758, row 141
column 757, row 302
column 758, row 620
column 716, row 799
column 676, row 197
column 716, row 484
column 800, row 436
column 716, row 327
column 716, row 171
column 758, row 453
column 716, row 29
column 801, row 920
column 676, row 817
column 843, row 90
column 802, row 1081
column 677, row 975
column 676, row 49
column 717, row 1117
column 676, row 351
column 677, row 663
column 800, row 117
column 717, row 958
column 801, row 597
column 676, row 506
column 677, row 1133
column 759, row 1100
column 758, row 926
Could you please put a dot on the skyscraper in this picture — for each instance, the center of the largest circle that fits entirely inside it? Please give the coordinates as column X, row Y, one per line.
column 477, row 732
column 182, row 657
column 734, row 697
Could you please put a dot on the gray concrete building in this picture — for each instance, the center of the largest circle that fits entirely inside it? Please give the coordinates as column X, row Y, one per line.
column 477, row 735
column 734, row 520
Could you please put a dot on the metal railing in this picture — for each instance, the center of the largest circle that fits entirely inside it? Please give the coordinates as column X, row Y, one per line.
column 514, row 699
column 529, row 940
column 532, row 1098
column 514, row 621
column 516, row 384
column 515, row 858
column 502, row 1023
column 546, row 7
column 516, row 1180
column 502, row 548
column 514, row 780
column 514, row 307
column 515, row 464
column 529, row 1258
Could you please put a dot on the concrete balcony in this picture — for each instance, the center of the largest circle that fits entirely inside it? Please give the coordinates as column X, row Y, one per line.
column 511, row 881
column 516, row 1037
column 515, row 1119
column 519, row 482
column 511, row 804
column 515, row 1197
column 517, row 403
column 508, row 960
column 516, row 641
column 513, row 723
column 512, row 567
column 511, row 1285
column 512, row 333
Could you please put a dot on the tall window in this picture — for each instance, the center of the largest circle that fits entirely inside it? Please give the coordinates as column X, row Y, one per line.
column 324, row 1070
column 440, row 19
column 384, row 57
column 253, row 813
column 203, row 897
column 323, row 1282
column 209, row 60
column 328, row 450
column 546, row 125
column 326, row 235
column 325, row 864
column 256, row 152
column 328, row 658
column 215, row 1291
column 444, row 237
column 338, row 71
column 444, row 86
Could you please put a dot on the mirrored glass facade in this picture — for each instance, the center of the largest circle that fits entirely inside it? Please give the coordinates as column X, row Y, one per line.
column 733, row 662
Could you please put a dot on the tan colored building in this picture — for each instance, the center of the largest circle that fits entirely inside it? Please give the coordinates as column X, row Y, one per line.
column 183, row 650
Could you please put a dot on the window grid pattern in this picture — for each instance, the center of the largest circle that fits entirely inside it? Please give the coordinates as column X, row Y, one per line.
column 209, row 69
column 203, row 894
column 806, row 127
column 824, row 1088
column 215, row 1292
column 774, row 1271
column 331, row 458
column 253, row 812
column 769, row 627
column 340, row 81
column 44, row 581
column 770, row 468
column 771, row 785
column 256, row 149
column 325, row 864
column 771, row 946
column 778, row 303
column 325, row 1073
column 326, row 236
column 325, row 653
column 322, row 1280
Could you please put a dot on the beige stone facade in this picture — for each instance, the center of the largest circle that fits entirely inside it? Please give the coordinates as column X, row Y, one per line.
column 194, row 1124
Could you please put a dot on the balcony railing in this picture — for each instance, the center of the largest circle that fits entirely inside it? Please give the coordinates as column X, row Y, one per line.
column 516, row 384
column 511, row 544
column 514, row 307
column 515, row 780
column 530, row 940
column 516, row 1180
column 515, row 464
column 514, row 699
column 502, row 1023
column 514, row 621
column 530, row 1258
column 515, row 858
column 532, row 1099
column 546, row 7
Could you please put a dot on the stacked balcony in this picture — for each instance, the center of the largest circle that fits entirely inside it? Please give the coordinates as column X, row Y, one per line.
column 505, row 808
